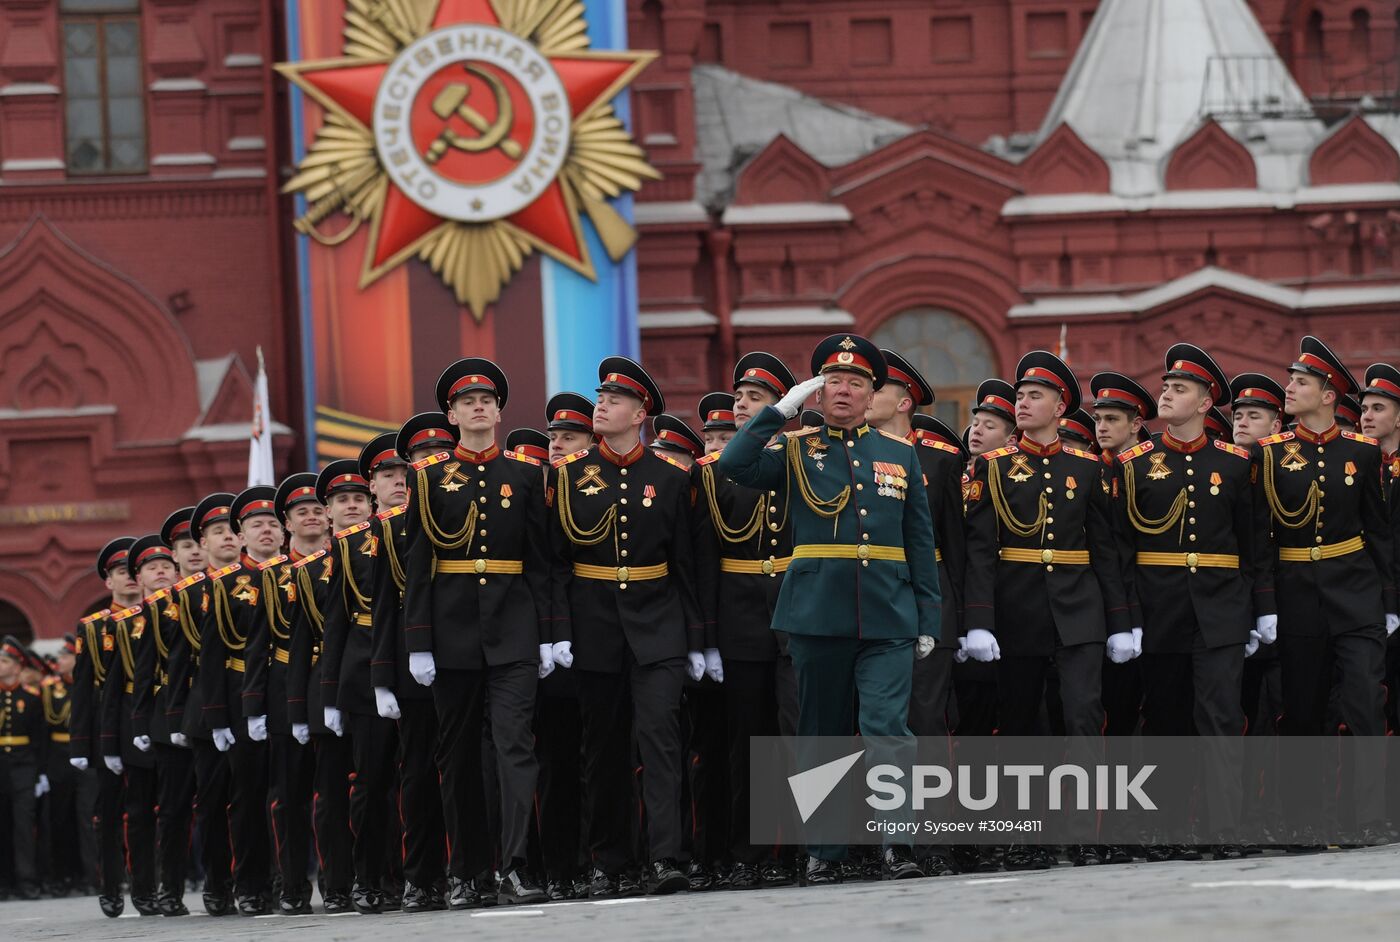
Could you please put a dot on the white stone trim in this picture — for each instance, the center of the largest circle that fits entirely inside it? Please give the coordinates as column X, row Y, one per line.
column 775, row 214
column 178, row 85
column 243, row 60
column 247, row 143
column 183, row 160
column 680, row 317
column 23, row 164
column 1061, row 204
column 21, row 89
column 656, row 214
column 793, row 316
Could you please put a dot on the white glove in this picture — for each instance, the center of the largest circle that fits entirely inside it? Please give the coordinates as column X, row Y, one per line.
column 1120, row 647
column 1391, row 623
column 982, row 645
column 960, row 656
column 41, row 787
column 79, row 763
column 142, row 743
column 179, row 739
column 789, row 404
column 257, row 728
column 695, row 665
column 223, row 739
column 923, row 647
column 1253, row 644
column 301, row 732
column 546, row 660
column 422, row 667
column 332, row 719
column 563, row 653
column 1137, row 642
column 385, row 703
column 113, row 763
column 1267, row 626
column 713, row 665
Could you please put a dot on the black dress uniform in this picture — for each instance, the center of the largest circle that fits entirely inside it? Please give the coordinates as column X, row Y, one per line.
column 24, row 745
column 74, row 854
column 624, row 598
column 476, row 598
column 1382, row 379
column 1333, row 579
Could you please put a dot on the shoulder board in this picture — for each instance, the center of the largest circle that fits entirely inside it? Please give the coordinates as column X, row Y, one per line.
column 941, row 446
column 1233, row 449
column 126, row 613
column 187, row 582
column 95, row 616
column 351, row 531
column 1358, row 437
column 1141, row 448
column 1079, row 452
column 31, row 690
column 1275, row 439
column 805, row 430
column 669, row 460
column 277, row 560
column 220, row 573
column 899, row 438
column 155, row 597
column 422, row 463
column 517, row 456
column 307, row 560
column 711, row 458
column 1000, row 452
column 393, row 512
column 565, row 459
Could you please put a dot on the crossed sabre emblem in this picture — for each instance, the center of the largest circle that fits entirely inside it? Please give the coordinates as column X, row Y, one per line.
column 452, row 102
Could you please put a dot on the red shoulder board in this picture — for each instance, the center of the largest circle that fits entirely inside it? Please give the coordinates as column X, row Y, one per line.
column 669, row 460
column 711, row 458
column 422, row 463
column 1233, row 449
column 157, row 596
column 1141, row 448
column 351, row 531
column 517, row 456
column 274, row 561
column 1358, row 437
column 1000, row 452
column 187, row 582
column 935, row 443
column 95, row 616
column 32, row 690
column 1275, row 439
column 393, row 512
column 126, row 613
column 305, row 560
column 220, row 573
column 565, row 459
column 1080, row 453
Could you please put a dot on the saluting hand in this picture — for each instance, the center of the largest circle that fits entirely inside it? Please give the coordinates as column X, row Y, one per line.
column 789, row 404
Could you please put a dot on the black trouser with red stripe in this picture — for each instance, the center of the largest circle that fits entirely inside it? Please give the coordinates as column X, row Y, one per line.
column 174, row 809
column 420, row 798
column 139, row 829
column 211, row 813
column 331, row 812
column 291, row 769
column 247, row 816
column 373, row 742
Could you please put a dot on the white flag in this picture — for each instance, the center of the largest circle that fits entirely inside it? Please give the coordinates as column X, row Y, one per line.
column 1064, row 342
column 260, row 443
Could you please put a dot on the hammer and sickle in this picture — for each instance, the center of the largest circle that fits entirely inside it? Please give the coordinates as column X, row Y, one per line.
column 452, row 102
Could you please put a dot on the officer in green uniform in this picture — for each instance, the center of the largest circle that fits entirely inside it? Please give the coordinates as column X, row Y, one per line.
column 863, row 583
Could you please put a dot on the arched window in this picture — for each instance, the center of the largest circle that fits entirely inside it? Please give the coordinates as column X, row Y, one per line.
column 13, row 622
column 1360, row 45
column 952, row 353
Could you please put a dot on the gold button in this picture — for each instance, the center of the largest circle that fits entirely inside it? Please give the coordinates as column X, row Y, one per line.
column 481, row 467
column 1322, row 479
column 1319, row 539
column 480, row 483
column 860, row 487
column 1049, row 519
column 481, row 533
column 1190, row 519
column 1191, row 537
column 1321, row 463
column 481, row 516
column 850, row 444
column 1191, row 488
column 624, row 472
column 622, row 553
column 856, row 463
column 772, row 510
column 622, row 585
column 479, row 565
column 622, row 573
column 865, row 562
column 624, row 536
column 1049, row 568
column 1190, row 503
column 482, row 580
column 772, row 493
column 773, row 542
column 1190, row 472
column 1044, row 460
column 1047, row 556
column 1192, row 559
column 1049, row 536
column 1188, row 457
column 862, row 551
column 1049, row 490
column 623, row 501
column 1315, row 553
column 481, row 548
column 482, row 498
column 767, row 567
column 863, row 511
column 865, row 536
column 1047, row 474
column 773, row 526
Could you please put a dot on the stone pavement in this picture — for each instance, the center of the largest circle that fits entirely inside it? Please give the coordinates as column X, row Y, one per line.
column 1340, row 895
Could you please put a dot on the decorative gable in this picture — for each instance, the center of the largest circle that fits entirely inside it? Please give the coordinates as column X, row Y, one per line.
column 1063, row 163
column 1210, row 159
column 782, row 173
column 1353, row 153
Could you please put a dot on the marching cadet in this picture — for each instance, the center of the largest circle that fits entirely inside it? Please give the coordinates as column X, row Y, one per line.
column 102, row 803
column 24, row 745
column 677, row 440
column 236, row 603
column 1217, row 427
column 1333, row 576
column 377, row 477
column 743, row 549
column 334, row 762
column 126, row 743
column 476, row 611
column 1077, row 428
column 1257, row 407
column 993, row 417
column 623, row 588
column 1043, row 585
column 569, row 423
column 398, row 696
column 530, row 443
column 863, row 584
column 1199, row 576
column 1348, row 413
column 74, row 857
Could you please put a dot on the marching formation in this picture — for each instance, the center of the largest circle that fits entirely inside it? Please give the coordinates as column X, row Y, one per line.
column 455, row 673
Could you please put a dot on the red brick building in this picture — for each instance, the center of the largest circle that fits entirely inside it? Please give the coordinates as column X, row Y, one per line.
column 957, row 178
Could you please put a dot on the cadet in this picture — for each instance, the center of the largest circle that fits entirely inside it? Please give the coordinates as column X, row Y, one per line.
column 1077, row 428
column 1380, row 419
column 529, row 443
column 74, row 857
column 993, row 417
column 476, row 617
column 24, row 744
column 863, row 584
column 1348, row 413
column 1257, row 404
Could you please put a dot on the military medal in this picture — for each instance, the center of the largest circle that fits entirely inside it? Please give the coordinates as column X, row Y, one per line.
column 1069, row 487
column 648, row 493
column 1214, row 483
column 1350, row 469
column 505, row 495
column 1158, row 470
column 1020, row 470
column 1293, row 459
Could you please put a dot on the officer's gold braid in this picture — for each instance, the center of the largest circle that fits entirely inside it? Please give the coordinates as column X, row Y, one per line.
column 1174, row 516
column 576, row 535
column 1292, row 519
column 187, row 625
column 306, row 598
column 223, row 617
column 162, row 651
column 729, row 534
column 1003, row 509
column 440, row 539
column 124, row 650
column 99, row 673
column 391, row 553
column 352, row 588
column 54, row 717
column 272, row 604
column 830, row 507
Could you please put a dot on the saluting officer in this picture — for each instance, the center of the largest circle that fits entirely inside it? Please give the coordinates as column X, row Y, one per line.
column 624, row 592
column 476, row 610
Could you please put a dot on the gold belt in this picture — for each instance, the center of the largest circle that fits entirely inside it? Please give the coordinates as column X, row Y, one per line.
column 234, row 664
column 14, row 740
column 1190, row 560
column 129, row 688
column 499, row 567
column 364, row 619
column 1311, row 554
column 60, row 737
column 621, row 574
column 761, row 567
column 1045, row 556
column 281, row 655
column 938, row 555
column 862, row 551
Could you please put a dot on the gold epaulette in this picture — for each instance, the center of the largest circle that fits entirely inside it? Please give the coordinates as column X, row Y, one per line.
column 220, row 573
column 155, row 597
column 89, row 619
column 422, row 463
column 517, row 456
column 941, row 446
column 126, row 613
column 305, row 560
column 1079, row 452
column 392, row 512
column 351, row 531
column 1233, row 449
column 1000, row 452
column 804, row 430
column 1141, row 448
column 1275, row 439
column 565, row 459
column 669, row 460
column 31, row 690
column 187, row 582
column 899, row 438
column 274, row 561
column 1358, row 437
column 711, row 458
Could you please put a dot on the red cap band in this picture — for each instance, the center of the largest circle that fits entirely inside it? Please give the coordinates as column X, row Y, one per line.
column 346, row 480
column 1049, row 376
column 1200, row 373
column 766, row 377
column 1124, row 396
column 998, row 402
column 152, row 552
column 846, row 360
column 720, row 415
column 1385, row 385
column 569, row 415
column 466, row 382
column 213, row 515
column 921, row 434
column 533, row 451
column 676, row 438
column 627, row 382
column 181, row 531
column 1255, row 393
column 428, row 435
column 1337, row 380
column 255, row 507
column 1077, row 427
column 904, row 379
column 389, row 454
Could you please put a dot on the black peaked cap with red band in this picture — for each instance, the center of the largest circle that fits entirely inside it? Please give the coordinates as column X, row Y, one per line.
column 766, row 370
column 255, row 500
column 343, row 474
column 1045, row 369
column 472, row 374
column 1116, row 391
column 1348, row 411
column 381, row 451
column 425, row 430
column 211, row 510
column 627, row 376
column 177, row 526
column 1188, row 361
column 1317, row 359
column 717, row 412
column 1256, row 389
column 998, row 397
column 295, row 489
column 1079, row 426
column 901, row 371
column 11, row 648
column 569, row 412
column 144, row 550
column 1382, row 379
column 113, row 554
column 929, row 426
column 530, row 442
column 1217, row 426
column 850, row 353
column 673, row 434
